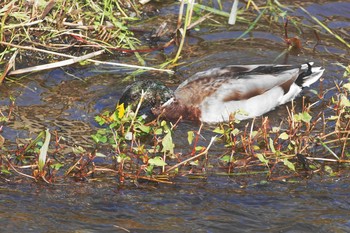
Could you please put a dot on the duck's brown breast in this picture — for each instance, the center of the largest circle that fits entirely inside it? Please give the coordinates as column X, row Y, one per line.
column 177, row 109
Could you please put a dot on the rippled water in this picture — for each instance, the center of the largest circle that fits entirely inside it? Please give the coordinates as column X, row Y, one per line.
column 67, row 100
column 213, row 205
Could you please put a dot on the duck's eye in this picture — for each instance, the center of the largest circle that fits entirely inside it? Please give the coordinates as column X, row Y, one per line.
column 134, row 96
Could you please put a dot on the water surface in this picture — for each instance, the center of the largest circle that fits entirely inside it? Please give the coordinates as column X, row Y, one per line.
column 67, row 100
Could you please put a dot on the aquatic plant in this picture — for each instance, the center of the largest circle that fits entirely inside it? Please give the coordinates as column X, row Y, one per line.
column 146, row 150
column 296, row 143
column 50, row 27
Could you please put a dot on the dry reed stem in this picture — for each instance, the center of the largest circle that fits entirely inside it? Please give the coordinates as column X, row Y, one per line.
column 57, row 64
column 73, row 60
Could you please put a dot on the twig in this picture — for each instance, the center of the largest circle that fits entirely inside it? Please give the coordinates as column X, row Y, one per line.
column 329, row 160
column 21, row 173
column 104, row 169
column 146, row 178
column 119, row 227
column 9, row 66
column 327, row 148
column 198, row 133
column 72, row 167
column 194, row 157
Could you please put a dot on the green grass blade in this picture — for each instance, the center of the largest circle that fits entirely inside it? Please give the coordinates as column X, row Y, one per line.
column 43, row 151
column 325, row 27
column 252, row 25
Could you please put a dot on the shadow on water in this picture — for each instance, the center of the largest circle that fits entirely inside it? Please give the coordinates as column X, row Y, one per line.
column 67, row 100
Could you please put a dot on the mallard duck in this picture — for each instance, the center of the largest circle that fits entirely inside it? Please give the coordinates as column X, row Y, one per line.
column 214, row 95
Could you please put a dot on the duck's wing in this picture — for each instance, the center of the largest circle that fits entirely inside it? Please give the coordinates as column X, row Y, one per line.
column 245, row 81
column 233, row 83
column 219, row 73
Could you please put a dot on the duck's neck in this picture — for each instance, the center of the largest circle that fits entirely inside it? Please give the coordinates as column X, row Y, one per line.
column 174, row 109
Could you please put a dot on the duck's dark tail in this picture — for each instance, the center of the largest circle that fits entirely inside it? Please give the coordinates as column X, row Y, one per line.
column 308, row 74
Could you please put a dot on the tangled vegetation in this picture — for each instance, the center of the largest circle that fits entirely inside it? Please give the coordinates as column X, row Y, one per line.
column 81, row 30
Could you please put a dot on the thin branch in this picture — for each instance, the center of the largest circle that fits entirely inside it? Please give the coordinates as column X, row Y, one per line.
column 194, row 157
column 21, row 173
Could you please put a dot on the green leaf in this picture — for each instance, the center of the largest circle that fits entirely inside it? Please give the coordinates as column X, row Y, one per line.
column 56, row 166
column 313, row 167
column 346, row 72
column 347, row 86
column 256, row 147
column 190, row 136
column 290, row 165
column 328, row 169
column 275, row 129
column 98, row 138
column 283, row 136
column 235, row 132
column 344, row 101
column 333, row 118
column 78, row 150
column 272, row 147
column 5, row 171
column 219, row 130
column 98, row 154
column 297, row 117
column 313, row 91
column 262, row 159
column 158, row 131
column 157, row 161
column 100, row 120
column 122, row 157
column 347, row 154
column 144, row 128
column 254, row 133
column 194, row 163
column 114, row 125
column 168, row 144
column 227, row 159
column 149, row 170
column 306, row 117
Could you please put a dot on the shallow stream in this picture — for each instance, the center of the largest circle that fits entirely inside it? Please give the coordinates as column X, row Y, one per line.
column 67, row 100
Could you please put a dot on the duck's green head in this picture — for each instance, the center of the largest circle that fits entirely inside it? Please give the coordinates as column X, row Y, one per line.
column 156, row 94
